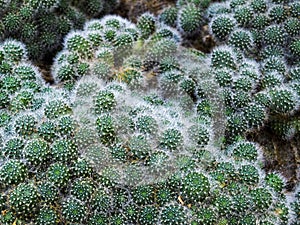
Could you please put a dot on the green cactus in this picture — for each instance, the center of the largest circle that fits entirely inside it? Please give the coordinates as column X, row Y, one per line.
column 189, row 18
column 58, row 174
column 23, row 200
column 222, row 26
column 37, row 152
column 173, row 214
column 13, row 172
column 47, row 216
column 82, row 189
column 48, row 192
column 74, row 211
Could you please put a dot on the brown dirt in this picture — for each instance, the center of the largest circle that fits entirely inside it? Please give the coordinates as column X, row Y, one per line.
column 132, row 9
column 280, row 155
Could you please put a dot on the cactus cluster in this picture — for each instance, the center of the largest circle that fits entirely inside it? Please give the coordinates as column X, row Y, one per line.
column 42, row 25
column 257, row 52
column 104, row 44
column 140, row 130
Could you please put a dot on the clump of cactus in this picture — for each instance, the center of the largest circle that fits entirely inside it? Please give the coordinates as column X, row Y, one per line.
column 260, row 38
column 42, row 25
column 140, row 130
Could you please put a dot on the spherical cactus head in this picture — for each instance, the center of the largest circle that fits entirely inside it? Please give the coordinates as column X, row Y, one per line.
column 278, row 13
column 195, row 187
column 56, row 108
column 82, row 189
column 295, row 49
column 164, row 195
column 101, row 70
column 123, row 40
column 173, row 215
column 48, row 192
column 255, row 115
column 67, row 126
column 171, row 139
column 82, row 168
column 243, row 15
column 248, row 174
column 47, row 131
column 237, row 3
column 14, row 51
column 139, row 147
column 146, row 25
column 161, row 50
column 274, row 64
column 189, row 18
column 37, row 152
column 223, row 203
column 148, row 215
column 92, row 8
column 261, row 198
column 106, row 129
column 74, row 211
column 241, row 39
column 295, row 9
column 169, row 16
column 205, row 216
column 101, row 200
column 130, row 76
column 143, row 195
column 104, row 102
column 274, row 35
column 13, row 148
column 12, row 22
column 275, row 181
column 75, row 42
column 10, row 84
column 223, row 77
column 25, row 125
column 222, row 26
column 99, row 219
column 283, row 100
column 244, row 151
column 292, row 26
column 199, row 135
column 223, row 58
column 13, row 172
column 24, row 200
column 58, row 174
column 27, row 72
column 258, row 6
column 236, row 126
column 64, row 150
column 146, row 124
column 47, row 216
column 223, row 173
